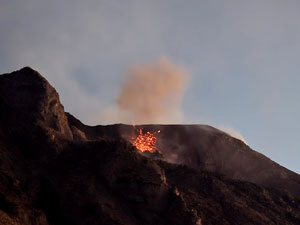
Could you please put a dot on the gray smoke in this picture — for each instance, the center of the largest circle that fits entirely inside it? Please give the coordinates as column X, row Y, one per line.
column 152, row 93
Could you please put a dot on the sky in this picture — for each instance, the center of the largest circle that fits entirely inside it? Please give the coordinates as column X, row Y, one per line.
column 242, row 58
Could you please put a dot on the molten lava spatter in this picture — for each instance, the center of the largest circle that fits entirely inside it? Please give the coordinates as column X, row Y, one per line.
column 146, row 142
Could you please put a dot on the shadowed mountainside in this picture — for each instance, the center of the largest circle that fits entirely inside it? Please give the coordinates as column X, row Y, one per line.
column 205, row 148
column 56, row 170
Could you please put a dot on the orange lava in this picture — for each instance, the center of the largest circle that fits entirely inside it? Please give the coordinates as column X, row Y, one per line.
column 146, row 142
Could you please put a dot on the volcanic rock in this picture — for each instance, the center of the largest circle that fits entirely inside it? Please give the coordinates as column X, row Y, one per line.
column 56, row 170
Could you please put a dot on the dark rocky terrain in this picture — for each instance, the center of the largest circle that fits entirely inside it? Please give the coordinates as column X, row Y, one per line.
column 56, row 170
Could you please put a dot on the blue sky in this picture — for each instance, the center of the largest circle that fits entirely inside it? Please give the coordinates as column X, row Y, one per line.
column 243, row 58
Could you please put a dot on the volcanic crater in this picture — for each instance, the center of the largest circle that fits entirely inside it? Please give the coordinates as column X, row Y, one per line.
column 57, row 170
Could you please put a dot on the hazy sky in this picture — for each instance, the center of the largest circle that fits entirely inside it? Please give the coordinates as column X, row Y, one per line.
column 243, row 59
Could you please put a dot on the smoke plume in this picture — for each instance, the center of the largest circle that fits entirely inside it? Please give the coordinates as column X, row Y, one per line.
column 233, row 133
column 152, row 93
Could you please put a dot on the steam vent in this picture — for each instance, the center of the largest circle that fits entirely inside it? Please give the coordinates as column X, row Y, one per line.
column 56, row 170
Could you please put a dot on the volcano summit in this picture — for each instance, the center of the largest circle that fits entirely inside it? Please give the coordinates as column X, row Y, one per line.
column 56, row 170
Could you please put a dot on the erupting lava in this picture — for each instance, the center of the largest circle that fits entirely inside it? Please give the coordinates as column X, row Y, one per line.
column 146, row 142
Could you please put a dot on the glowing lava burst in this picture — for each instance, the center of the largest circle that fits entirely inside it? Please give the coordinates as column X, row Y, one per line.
column 146, row 142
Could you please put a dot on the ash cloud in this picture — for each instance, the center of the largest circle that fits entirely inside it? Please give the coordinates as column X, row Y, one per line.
column 153, row 93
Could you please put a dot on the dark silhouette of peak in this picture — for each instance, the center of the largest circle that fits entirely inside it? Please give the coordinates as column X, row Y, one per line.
column 56, row 170
column 30, row 104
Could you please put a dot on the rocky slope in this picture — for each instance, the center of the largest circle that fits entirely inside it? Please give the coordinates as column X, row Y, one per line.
column 56, row 170
column 205, row 148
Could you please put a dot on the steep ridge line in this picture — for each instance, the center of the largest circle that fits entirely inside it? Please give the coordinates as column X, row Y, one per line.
column 55, row 170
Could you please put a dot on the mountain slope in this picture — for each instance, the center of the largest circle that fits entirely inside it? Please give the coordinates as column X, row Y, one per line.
column 56, row 170
column 205, row 148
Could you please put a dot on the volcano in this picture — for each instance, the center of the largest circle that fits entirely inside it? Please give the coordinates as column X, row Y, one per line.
column 56, row 170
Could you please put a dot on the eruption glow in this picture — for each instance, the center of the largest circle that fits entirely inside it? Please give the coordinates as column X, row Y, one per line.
column 146, row 142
